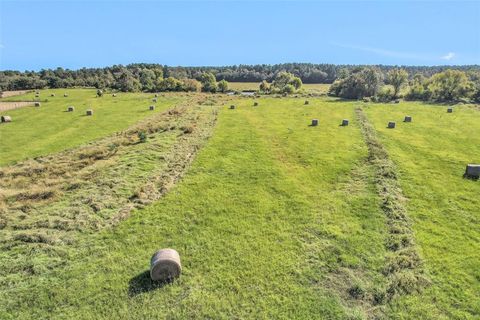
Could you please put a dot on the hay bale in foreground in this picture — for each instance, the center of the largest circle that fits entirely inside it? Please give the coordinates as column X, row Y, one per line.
column 89, row 112
column 232, row 107
column 37, row 104
column 71, row 109
column 345, row 122
column 152, row 108
column 314, row 122
column 165, row 265
column 6, row 119
column 472, row 171
column 391, row 125
column 408, row 119
column 450, row 110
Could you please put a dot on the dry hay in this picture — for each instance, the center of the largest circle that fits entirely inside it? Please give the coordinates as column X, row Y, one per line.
column 151, row 108
column 65, row 95
column 450, row 110
column 71, row 109
column 89, row 112
column 408, row 119
column 391, row 125
column 306, row 102
column 165, row 265
column 6, row 94
column 5, row 106
column 37, row 104
column 314, row 122
column 345, row 122
column 232, row 107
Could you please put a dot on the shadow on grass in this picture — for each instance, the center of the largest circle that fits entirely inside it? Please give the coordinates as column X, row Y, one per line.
column 142, row 283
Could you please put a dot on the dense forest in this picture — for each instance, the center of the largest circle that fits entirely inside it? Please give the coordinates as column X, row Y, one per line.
column 152, row 77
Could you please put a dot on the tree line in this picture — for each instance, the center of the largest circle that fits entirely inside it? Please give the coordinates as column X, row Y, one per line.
column 371, row 83
column 156, row 77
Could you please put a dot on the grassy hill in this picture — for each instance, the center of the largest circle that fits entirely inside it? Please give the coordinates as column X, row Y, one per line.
column 274, row 218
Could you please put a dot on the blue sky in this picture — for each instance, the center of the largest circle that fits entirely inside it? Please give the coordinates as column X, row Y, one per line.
column 75, row 34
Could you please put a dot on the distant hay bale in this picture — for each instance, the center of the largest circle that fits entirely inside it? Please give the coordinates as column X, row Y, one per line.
column 156, row 95
column 52, row 95
column 65, row 95
column 232, row 107
column 165, row 265
column 306, row 102
column 71, row 109
column 154, row 99
column 255, row 104
column 89, row 112
column 37, row 104
column 450, row 110
column 408, row 119
column 391, row 125
column 6, row 119
column 314, row 122
column 472, row 171
column 152, row 108
column 397, row 101
column 114, row 95
column 345, row 122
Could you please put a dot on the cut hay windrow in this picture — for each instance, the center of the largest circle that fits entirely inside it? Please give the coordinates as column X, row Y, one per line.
column 404, row 266
column 82, row 190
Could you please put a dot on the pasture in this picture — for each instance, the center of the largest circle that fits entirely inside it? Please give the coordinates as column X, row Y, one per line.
column 273, row 218
column 314, row 88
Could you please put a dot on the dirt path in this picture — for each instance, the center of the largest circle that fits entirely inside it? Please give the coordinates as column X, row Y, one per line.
column 5, row 106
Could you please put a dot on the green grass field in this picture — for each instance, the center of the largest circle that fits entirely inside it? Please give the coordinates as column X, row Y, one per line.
column 274, row 219
column 49, row 128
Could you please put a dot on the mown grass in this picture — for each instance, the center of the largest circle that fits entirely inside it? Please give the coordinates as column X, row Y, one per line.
column 431, row 154
column 278, row 220
column 275, row 219
column 37, row 131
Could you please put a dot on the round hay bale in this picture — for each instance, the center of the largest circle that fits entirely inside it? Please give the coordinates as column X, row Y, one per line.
column 114, row 95
column 450, row 110
column 156, row 95
column 37, row 104
column 345, row 122
column 65, row 95
column 472, row 171
column 52, row 95
column 152, row 108
column 397, row 101
column 71, row 109
column 232, row 107
column 408, row 119
column 391, row 125
column 255, row 104
column 89, row 112
column 306, row 102
column 314, row 122
column 6, row 119
column 165, row 265
column 154, row 99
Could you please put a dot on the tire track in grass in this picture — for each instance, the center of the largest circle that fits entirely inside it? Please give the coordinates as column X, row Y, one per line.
column 403, row 266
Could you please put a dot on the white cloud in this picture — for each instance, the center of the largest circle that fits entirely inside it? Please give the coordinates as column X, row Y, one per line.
column 448, row 56
column 384, row 52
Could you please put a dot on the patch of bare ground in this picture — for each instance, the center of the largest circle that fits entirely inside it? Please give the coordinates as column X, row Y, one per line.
column 5, row 106
column 46, row 201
